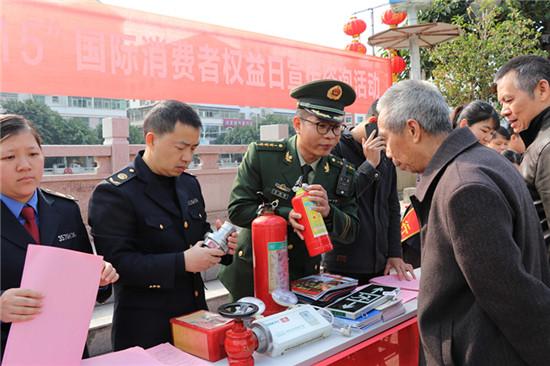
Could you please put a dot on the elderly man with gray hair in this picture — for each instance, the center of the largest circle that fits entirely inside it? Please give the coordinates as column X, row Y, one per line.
column 484, row 290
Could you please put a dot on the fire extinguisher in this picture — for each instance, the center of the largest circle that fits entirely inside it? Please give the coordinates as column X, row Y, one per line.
column 315, row 232
column 270, row 255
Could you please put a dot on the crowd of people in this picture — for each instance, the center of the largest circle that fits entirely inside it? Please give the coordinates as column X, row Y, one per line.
column 482, row 201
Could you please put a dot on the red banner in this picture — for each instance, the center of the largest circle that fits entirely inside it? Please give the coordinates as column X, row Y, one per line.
column 92, row 49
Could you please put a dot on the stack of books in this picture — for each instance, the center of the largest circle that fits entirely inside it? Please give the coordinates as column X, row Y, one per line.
column 362, row 301
column 368, row 319
column 322, row 289
column 391, row 309
column 367, row 306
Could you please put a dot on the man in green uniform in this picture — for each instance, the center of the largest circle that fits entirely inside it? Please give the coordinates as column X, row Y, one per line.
column 273, row 167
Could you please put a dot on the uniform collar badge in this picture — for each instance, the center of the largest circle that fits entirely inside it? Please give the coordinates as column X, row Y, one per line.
column 288, row 157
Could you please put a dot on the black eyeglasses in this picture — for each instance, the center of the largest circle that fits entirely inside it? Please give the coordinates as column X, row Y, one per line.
column 323, row 127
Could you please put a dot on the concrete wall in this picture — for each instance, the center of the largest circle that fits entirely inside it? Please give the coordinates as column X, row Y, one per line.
column 116, row 153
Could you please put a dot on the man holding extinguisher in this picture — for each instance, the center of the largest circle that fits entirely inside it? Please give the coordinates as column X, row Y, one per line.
column 273, row 167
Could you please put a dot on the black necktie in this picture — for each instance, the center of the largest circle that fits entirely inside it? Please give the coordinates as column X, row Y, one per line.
column 306, row 169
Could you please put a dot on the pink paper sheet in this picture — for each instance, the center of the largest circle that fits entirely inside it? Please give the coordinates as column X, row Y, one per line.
column 393, row 280
column 172, row 356
column 134, row 356
column 69, row 281
column 407, row 295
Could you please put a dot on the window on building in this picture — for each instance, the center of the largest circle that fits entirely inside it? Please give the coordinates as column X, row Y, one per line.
column 39, row 98
column 8, row 96
column 211, row 132
column 230, row 160
column 55, row 99
column 80, row 102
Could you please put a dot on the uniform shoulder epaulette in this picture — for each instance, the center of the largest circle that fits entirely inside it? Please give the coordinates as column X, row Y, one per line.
column 349, row 166
column 59, row 194
column 339, row 162
column 271, row 145
column 193, row 176
column 189, row 174
column 122, row 176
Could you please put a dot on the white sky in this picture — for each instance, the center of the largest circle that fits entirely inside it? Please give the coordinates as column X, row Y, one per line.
column 319, row 22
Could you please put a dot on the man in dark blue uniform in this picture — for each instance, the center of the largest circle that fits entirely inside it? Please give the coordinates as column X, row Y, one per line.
column 149, row 220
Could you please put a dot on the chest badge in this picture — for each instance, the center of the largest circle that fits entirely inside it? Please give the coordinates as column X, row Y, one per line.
column 278, row 193
column 283, row 187
column 66, row 236
column 326, row 168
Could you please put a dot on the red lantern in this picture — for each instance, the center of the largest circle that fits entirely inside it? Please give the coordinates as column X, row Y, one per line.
column 392, row 19
column 398, row 65
column 356, row 46
column 354, row 27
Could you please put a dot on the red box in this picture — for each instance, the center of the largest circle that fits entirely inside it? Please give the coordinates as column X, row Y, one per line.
column 201, row 333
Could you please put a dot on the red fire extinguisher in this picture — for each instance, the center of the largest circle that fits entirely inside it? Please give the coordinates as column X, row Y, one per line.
column 315, row 232
column 270, row 256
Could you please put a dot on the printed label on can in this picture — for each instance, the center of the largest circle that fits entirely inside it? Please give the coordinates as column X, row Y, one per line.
column 316, row 221
column 277, row 262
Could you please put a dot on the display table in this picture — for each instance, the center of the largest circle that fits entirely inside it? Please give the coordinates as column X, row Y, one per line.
column 395, row 340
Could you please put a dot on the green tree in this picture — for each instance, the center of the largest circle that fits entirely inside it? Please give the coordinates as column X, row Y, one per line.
column 53, row 129
column 447, row 10
column 239, row 136
column 464, row 68
column 444, row 11
column 135, row 135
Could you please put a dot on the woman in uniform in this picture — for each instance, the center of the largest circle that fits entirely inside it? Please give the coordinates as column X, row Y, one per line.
column 30, row 214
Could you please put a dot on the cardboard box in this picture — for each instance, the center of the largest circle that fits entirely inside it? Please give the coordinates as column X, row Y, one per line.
column 201, row 333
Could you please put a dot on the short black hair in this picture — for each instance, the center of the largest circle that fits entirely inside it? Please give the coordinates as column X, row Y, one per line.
column 13, row 124
column 513, row 156
column 503, row 131
column 373, row 111
column 475, row 112
column 530, row 69
column 162, row 118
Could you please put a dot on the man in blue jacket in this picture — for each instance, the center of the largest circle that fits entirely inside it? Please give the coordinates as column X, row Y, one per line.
column 150, row 219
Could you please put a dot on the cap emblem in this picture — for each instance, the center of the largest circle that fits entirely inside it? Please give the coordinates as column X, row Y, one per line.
column 335, row 93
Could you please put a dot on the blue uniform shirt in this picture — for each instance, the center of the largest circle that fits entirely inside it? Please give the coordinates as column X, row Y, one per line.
column 16, row 207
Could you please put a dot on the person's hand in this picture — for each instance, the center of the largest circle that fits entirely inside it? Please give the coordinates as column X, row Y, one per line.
column 318, row 195
column 405, row 271
column 108, row 274
column 372, row 147
column 199, row 258
column 20, row 304
column 231, row 240
column 293, row 218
